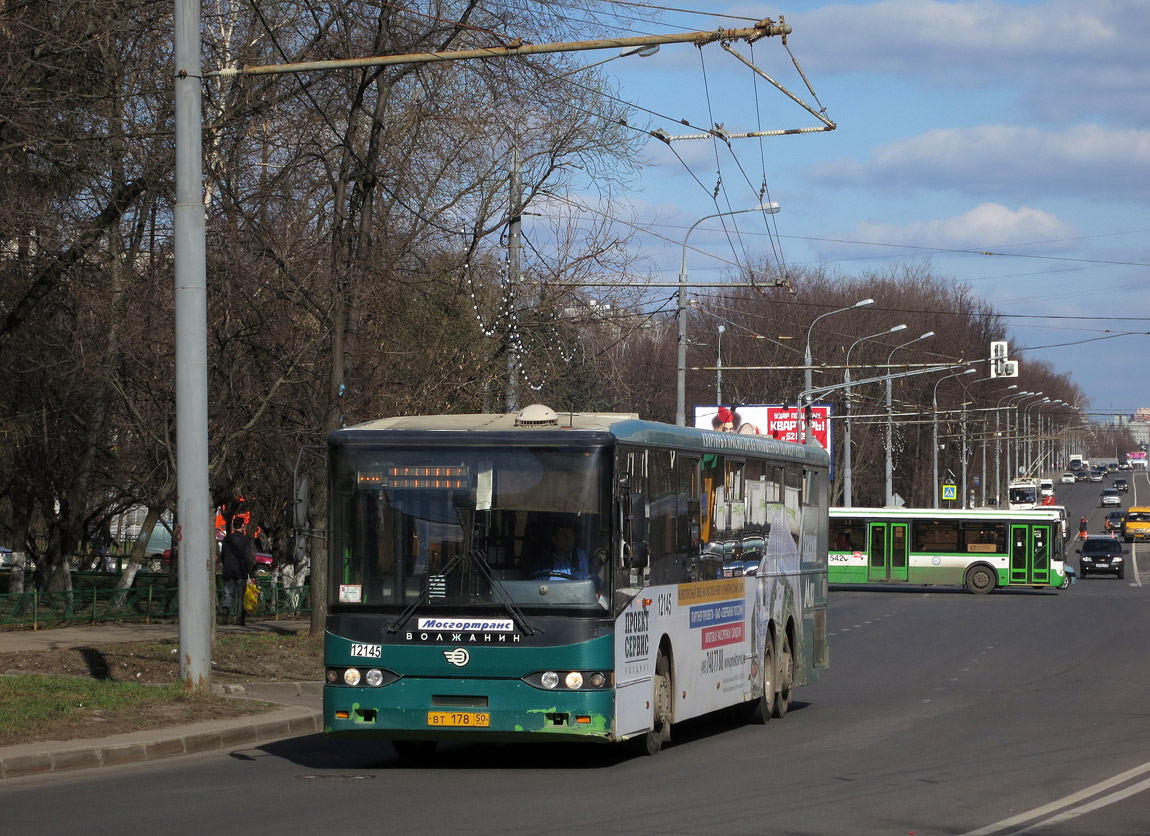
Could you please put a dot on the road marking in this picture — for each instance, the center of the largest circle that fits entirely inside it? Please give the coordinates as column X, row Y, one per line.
column 1134, row 546
column 1007, row 825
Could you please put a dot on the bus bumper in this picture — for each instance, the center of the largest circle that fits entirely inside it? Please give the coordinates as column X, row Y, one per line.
column 494, row 710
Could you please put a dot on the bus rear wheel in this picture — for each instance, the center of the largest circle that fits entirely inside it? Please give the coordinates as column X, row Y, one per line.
column 980, row 579
column 786, row 678
column 661, row 707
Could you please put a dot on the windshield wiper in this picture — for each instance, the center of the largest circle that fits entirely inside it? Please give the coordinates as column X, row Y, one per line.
column 409, row 611
column 480, row 562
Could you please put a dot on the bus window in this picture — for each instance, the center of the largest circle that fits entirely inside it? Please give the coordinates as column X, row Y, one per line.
column 985, row 538
column 846, row 534
column 936, row 536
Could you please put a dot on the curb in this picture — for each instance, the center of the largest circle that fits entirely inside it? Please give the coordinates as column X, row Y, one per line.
column 159, row 744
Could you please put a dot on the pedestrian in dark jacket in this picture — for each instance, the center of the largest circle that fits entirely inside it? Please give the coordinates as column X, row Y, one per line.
column 239, row 564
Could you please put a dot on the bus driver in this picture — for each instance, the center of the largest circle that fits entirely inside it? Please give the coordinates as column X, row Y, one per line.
column 564, row 560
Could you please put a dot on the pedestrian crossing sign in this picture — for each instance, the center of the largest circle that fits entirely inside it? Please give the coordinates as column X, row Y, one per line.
column 949, row 491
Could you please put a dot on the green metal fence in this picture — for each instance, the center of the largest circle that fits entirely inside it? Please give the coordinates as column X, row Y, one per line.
column 93, row 602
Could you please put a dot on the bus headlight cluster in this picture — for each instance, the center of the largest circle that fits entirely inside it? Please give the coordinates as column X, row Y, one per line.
column 373, row 677
column 571, row 681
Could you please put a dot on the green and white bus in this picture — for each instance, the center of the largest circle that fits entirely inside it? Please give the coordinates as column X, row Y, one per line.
column 977, row 549
column 700, row 583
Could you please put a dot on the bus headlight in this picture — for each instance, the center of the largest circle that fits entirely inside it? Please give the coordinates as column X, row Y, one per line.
column 374, row 677
column 571, row 681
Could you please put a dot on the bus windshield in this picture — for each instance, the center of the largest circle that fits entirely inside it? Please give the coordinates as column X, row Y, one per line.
column 470, row 526
column 1023, row 494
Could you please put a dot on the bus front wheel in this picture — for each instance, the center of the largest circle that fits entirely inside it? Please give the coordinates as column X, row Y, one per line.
column 661, row 708
column 980, row 579
column 765, row 704
column 786, row 678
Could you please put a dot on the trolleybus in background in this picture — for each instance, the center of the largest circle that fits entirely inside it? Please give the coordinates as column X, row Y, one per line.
column 446, row 624
column 977, row 549
column 1022, row 494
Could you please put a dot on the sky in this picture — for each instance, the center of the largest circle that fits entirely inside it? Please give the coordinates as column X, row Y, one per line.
column 1019, row 128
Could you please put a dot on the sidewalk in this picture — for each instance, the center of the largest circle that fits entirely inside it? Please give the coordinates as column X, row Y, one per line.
column 301, row 710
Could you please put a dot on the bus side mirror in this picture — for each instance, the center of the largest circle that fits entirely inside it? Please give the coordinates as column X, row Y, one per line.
column 637, row 531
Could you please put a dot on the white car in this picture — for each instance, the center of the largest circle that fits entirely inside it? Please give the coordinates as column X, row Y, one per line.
column 1110, row 496
column 1067, row 479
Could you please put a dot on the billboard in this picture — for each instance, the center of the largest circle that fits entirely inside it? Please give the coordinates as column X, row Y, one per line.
column 779, row 421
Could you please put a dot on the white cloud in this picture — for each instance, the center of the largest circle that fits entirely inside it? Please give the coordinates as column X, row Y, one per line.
column 895, row 35
column 983, row 227
column 1006, row 160
column 1090, row 54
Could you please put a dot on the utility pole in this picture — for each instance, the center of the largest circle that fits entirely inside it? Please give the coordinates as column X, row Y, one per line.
column 514, row 243
column 191, row 302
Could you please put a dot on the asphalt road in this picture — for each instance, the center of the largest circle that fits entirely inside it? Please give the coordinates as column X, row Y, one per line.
column 943, row 713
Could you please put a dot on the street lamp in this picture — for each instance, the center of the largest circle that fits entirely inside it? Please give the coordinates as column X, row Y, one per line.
column 807, row 353
column 965, row 452
column 847, row 384
column 890, row 420
column 681, row 308
column 719, row 369
column 642, row 51
column 1008, row 437
column 1029, row 436
column 1018, row 468
column 1046, row 437
column 998, row 443
column 934, row 407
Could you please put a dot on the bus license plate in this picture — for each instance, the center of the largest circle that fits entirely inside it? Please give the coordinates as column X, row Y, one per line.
column 459, row 718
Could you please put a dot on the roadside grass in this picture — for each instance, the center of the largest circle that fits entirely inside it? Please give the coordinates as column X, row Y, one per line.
column 68, row 694
column 36, row 708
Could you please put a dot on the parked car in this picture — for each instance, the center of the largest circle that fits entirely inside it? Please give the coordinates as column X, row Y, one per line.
column 1122, row 485
column 1113, row 522
column 1110, row 496
column 1103, row 555
column 1067, row 478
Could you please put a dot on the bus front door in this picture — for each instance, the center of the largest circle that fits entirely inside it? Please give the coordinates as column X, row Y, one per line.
column 1030, row 554
column 887, row 551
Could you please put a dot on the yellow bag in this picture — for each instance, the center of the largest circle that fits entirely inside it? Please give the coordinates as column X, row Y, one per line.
column 251, row 597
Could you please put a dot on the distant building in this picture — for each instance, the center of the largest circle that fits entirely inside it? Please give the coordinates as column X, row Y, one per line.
column 1140, row 430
